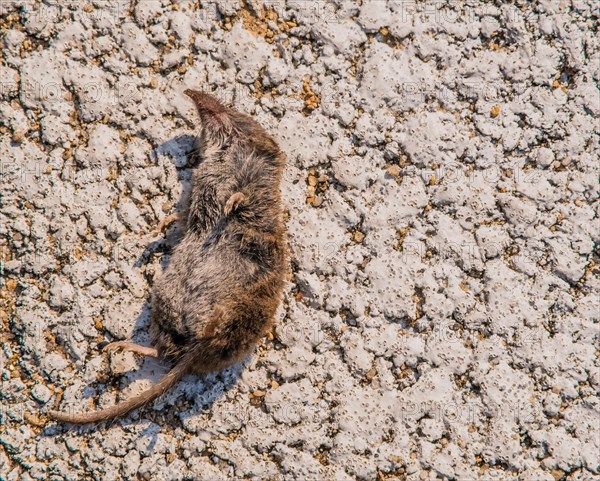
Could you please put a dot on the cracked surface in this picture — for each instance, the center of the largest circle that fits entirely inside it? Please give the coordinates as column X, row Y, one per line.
column 441, row 322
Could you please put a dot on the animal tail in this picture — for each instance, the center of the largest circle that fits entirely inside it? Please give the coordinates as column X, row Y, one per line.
column 166, row 383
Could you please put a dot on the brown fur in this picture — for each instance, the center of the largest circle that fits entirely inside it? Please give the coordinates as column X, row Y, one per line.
column 224, row 282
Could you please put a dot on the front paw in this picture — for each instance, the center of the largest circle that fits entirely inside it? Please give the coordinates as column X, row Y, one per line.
column 234, row 202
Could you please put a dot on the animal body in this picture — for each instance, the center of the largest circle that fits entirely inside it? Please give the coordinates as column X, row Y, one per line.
column 225, row 278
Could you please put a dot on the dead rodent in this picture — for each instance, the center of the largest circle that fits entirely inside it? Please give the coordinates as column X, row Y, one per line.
column 225, row 278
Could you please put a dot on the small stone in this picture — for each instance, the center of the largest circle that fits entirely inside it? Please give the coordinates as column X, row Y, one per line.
column 495, row 111
column 317, row 201
column 41, row 393
column 393, row 170
column 371, row 374
column 545, row 157
column 358, row 237
column 18, row 136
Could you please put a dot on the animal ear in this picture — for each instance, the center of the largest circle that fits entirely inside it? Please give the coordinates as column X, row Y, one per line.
column 211, row 111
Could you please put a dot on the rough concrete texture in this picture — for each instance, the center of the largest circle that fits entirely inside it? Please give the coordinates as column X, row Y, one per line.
column 441, row 321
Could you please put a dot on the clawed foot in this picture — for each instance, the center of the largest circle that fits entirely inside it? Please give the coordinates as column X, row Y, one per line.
column 131, row 347
column 166, row 222
column 234, row 202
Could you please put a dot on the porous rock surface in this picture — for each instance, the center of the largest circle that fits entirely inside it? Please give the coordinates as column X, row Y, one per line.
column 441, row 320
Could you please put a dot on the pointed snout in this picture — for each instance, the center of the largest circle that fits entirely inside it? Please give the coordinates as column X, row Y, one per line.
column 210, row 109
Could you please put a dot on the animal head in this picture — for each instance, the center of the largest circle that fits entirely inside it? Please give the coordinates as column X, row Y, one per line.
column 223, row 128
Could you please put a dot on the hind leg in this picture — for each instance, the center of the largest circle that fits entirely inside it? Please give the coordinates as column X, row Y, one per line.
column 131, row 347
column 166, row 222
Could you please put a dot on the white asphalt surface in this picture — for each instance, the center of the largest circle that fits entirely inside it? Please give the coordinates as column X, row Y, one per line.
column 441, row 321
